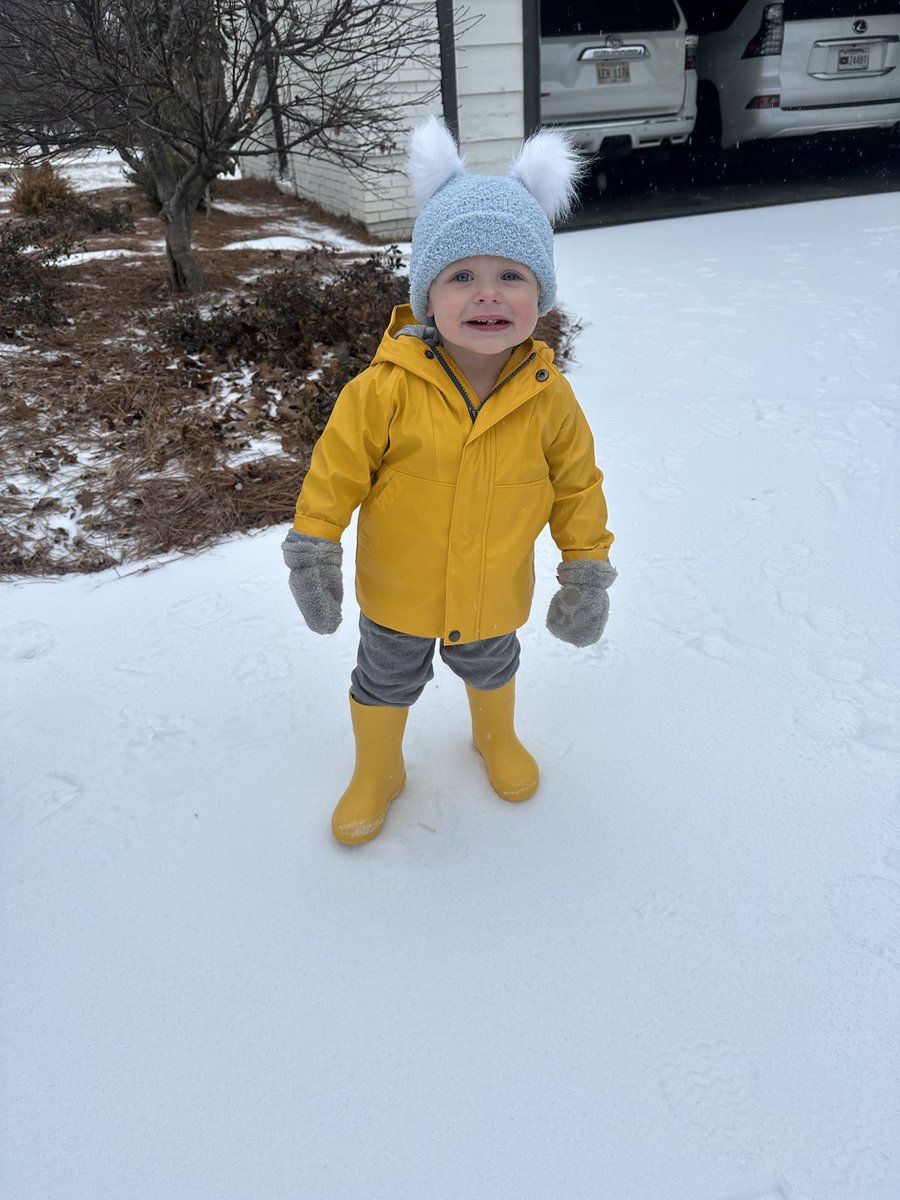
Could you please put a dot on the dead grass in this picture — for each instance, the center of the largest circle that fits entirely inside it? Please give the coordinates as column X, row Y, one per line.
column 115, row 447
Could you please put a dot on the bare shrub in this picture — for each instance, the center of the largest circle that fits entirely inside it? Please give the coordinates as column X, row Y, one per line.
column 93, row 218
column 41, row 191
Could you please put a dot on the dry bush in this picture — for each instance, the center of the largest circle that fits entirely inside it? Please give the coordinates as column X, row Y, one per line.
column 41, row 191
column 560, row 332
column 321, row 303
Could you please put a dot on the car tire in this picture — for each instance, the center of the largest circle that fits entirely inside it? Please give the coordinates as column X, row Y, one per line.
column 706, row 139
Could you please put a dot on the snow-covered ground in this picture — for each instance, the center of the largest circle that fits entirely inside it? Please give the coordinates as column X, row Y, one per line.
column 672, row 975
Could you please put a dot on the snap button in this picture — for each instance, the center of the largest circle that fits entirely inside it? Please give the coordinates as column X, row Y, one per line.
column 453, row 635
column 542, row 375
column 429, row 354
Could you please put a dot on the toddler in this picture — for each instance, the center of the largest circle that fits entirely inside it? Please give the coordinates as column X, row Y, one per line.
column 459, row 443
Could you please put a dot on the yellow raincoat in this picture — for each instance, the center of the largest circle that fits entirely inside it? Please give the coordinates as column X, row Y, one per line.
column 451, row 507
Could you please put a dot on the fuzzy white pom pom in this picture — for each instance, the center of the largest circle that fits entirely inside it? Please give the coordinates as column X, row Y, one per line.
column 433, row 158
column 550, row 167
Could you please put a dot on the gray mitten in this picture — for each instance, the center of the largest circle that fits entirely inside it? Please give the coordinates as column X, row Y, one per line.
column 578, row 612
column 315, row 580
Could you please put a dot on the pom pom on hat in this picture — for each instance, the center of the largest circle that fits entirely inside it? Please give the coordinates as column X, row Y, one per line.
column 434, row 159
column 550, row 167
column 508, row 216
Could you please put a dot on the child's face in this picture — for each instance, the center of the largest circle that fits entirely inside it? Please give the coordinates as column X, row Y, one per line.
column 484, row 304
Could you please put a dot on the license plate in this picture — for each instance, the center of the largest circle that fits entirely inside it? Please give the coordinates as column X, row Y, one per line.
column 613, row 72
column 853, row 60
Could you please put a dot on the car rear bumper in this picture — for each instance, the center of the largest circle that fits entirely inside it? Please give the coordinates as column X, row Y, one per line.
column 762, row 124
column 613, row 138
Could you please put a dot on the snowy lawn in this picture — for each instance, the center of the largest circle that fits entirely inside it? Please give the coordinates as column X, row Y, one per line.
column 672, row 975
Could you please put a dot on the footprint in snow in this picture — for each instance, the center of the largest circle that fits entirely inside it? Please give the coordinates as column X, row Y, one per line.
column 713, row 1089
column 839, row 668
column 791, row 563
column 140, row 731
column 53, row 816
column 24, row 640
column 842, row 1150
column 665, row 491
column 830, row 719
column 264, row 665
column 731, row 366
column 843, row 630
column 198, row 612
column 795, row 604
column 43, row 798
column 723, row 427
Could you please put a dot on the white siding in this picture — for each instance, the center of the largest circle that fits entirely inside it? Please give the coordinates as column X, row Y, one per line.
column 489, row 82
column 490, row 93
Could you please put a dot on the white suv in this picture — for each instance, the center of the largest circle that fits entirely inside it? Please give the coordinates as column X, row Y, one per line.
column 618, row 73
column 793, row 69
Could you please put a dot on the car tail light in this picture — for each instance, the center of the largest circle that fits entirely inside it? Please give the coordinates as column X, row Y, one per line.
column 769, row 38
column 765, row 102
column 690, row 51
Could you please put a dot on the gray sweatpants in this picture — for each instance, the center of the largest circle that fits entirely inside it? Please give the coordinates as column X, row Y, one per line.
column 393, row 668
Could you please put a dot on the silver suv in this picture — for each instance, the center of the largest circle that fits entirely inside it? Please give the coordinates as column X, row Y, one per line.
column 793, row 69
column 618, row 73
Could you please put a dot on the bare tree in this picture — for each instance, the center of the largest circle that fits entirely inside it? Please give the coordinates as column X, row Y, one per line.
column 179, row 87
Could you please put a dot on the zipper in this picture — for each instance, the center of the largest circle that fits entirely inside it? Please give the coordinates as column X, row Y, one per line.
column 473, row 411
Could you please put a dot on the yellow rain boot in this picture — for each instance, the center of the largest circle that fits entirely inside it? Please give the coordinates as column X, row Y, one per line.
column 379, row 775
column 513, row 773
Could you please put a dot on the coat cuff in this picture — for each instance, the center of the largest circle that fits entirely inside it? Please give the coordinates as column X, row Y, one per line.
column 316, row 528
column 596, row 555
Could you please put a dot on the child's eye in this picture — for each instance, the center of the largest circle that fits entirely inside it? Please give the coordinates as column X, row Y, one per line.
column 462, row 277
column 512, row 275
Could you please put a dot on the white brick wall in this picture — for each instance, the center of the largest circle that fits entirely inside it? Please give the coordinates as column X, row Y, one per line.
column 489, row 86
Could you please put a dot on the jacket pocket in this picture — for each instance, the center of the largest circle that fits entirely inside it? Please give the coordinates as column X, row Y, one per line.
column 402, row 544
column 518, row 514
column 519, row 511
column 382, row 482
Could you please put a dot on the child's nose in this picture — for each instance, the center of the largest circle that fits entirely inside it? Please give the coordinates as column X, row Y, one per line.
column 487, row 291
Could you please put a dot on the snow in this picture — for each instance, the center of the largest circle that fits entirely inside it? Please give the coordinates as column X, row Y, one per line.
column 83, row 256
column 94, row 169
column 672, row 975
column 307, row 236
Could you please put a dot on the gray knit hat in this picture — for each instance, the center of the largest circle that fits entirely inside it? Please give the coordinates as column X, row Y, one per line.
column 508, row 216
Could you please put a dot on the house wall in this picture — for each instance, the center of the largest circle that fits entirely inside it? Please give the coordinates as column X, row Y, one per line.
column 489, row 83
column 490, row 111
